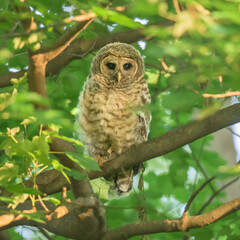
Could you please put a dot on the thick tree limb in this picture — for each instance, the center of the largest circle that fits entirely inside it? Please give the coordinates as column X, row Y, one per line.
column 171, row 140
column 49, row 182
column 37, row 83
column 145, row 151
column 81, row 188
column 81, row 219
column 60, row 45
column 179, row 225
column 80, row 48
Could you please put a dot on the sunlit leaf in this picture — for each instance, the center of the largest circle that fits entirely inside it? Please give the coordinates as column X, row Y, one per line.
column 85, row 162
column 20, row 80
column 4, row 55
column 59, row 167
column 19, row 188
column 116, row 17
column 76, row 174
column 36, row 216
column 6, row 199
column 17, row 199
column 8, row 172
column 101, row 188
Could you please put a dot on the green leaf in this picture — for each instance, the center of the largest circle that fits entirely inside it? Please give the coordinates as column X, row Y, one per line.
column 32, row 97
column 101, row 188
column 85, row 162
column 53, row 117
column 19, row 188
column 21, row 80
column 36, row 216
column 7, row 173
column 17, row 199
column 116, row 17
column 41, row 148
column 76, row 174
column 225, row 172
column 59, row 167
column 4, row 4
column 6, row 199
column 72, row 140
column 55, row 201
column 5, row 54
column 205, row 233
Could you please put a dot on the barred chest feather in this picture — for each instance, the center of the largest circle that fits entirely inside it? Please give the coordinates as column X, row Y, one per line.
column 110, row 119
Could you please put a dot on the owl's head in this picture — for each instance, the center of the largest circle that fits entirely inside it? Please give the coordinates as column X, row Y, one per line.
column 118, row 64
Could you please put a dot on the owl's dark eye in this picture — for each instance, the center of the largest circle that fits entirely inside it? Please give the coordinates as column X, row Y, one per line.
column 127, row 66
column 111, row 65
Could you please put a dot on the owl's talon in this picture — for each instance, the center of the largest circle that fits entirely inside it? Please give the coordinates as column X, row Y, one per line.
column 109, row 152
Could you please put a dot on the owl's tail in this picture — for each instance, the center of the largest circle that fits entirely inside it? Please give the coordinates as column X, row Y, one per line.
column 124, row 180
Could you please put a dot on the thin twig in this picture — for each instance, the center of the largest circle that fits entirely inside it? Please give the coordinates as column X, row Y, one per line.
column 8, row 35
column 42, row 203
column 176, row 5
column 201, row 168
column 215, row 194
column 222, row 95
column 59, row 46
column 230, row 129
column 165, row 66
column 195, row 194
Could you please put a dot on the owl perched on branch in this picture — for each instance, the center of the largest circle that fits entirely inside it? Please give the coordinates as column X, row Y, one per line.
column 112, row 116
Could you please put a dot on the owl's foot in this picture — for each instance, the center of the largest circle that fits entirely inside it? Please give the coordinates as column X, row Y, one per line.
column 110, row 152
column 100, row 159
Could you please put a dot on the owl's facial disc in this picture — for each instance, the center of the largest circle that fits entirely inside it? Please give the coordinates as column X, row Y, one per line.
column 118, row 69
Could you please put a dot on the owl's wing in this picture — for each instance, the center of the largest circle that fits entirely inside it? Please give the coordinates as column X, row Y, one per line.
column 144, row 120
column 145, row 115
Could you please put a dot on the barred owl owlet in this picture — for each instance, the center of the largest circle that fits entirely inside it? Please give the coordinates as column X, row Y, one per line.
column 112, row 116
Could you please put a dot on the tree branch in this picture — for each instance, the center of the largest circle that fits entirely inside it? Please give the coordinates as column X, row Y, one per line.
column 60, row 45
column 216, row 193
column 162, row 145
column 78, row 219
column 185, row 212
column 149, row 227
column 201, row 168
column 37, row 83
column 171, row 140
column 80, row 188
column 80, row 48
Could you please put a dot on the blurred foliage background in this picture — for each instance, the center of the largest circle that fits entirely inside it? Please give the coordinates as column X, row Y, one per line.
column 196, row 53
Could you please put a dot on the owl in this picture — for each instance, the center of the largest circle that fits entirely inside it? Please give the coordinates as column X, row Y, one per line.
column 112, row 109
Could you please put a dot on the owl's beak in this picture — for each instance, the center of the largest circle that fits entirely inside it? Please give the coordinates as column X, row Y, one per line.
column 119, row 77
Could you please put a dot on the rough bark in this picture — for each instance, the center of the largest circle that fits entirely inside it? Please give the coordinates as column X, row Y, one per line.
column 81, row 219
column 78, row 220
column 79, row 48
column 164, row 144
column 179, row 225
